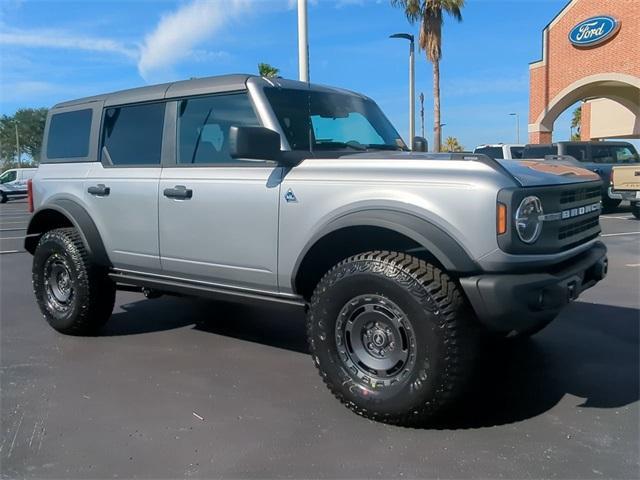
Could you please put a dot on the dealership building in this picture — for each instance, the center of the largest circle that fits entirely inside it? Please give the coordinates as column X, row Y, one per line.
column 590, row 54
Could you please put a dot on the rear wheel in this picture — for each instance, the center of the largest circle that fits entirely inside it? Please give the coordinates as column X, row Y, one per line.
column 75, row 296
column 635, row 209
column 3, row 197
column 391, row 336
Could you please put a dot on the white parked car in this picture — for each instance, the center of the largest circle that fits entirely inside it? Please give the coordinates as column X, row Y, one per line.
column 14, row 182
column 507, row 151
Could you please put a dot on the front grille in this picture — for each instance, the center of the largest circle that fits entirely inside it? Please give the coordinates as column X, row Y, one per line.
column 573, row 212
column 576, row 228
column 579, row 195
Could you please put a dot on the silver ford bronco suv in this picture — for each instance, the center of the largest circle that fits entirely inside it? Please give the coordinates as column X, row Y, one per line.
column 267, row 190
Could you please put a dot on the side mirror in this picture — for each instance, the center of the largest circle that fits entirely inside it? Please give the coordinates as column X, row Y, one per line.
column 420, row 144
column 258, row 143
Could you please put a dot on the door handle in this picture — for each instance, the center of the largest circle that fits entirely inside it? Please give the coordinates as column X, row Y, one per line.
column 179, row 192
column 100, row 190
column 597, row 170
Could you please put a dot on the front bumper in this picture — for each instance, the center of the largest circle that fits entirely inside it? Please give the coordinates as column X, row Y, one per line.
column 506, row 302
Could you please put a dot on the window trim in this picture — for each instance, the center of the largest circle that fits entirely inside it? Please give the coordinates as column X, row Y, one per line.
column 173, row 161
column 101, row 138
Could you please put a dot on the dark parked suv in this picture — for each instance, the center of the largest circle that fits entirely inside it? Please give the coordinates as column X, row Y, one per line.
column 600, row 157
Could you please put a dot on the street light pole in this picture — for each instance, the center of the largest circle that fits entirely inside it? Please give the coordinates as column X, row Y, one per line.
column 517, row 126
column 303, row 42
column 18, row 145
column 412, row 78
column 422, row 114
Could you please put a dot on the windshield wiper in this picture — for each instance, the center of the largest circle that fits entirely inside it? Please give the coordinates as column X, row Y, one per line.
column 350, row 144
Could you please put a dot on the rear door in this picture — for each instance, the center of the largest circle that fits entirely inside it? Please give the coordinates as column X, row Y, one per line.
column 121, row 190
column 218, row 215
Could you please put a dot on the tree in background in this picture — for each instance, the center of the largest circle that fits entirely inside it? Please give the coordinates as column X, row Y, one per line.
column 267, row 70
column 451, row 144
column 429, row 13
column 30, row 130
column 576, row 123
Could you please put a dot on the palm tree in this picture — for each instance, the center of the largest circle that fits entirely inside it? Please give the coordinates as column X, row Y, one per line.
column 267, row 70
column 576, row 123
column 430, row 15
column 451, row 144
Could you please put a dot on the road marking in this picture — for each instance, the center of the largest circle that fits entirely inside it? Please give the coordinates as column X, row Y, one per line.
column 2, row 252
column 619, row 234
column 616, row 218
column 632, row 265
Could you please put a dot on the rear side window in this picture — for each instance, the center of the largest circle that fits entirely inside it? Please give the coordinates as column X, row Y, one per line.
column 539, row 152
column 69, row 134
column 492, row 152
column 579, row 152
column 516, row 152
column 132, row 135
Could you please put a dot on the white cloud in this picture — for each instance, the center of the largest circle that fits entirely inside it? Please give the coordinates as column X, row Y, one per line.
column 180, row 31
column 61, row 39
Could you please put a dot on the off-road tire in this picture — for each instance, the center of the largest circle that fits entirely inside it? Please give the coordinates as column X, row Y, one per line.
column 61, row 265
column 444, row 330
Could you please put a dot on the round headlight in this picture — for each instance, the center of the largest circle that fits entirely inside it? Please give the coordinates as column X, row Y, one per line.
column 528, row 222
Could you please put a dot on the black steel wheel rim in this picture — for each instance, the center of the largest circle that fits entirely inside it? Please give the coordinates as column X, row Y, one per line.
column 58, row 283
column 375, row 340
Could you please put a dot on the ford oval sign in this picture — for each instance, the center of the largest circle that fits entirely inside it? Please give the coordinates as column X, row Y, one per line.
column 593, row 31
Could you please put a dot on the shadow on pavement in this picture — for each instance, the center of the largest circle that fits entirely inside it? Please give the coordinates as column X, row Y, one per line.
column 280, row 327
column 591, row 352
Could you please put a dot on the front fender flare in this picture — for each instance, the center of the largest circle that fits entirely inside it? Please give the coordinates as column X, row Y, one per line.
column 440, row 244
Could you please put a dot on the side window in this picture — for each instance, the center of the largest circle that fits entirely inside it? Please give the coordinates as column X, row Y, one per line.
column 132, row 135
column 68, row 135
column 204, row 123
column 492, row 152
column 579, row 152
column 9, row 176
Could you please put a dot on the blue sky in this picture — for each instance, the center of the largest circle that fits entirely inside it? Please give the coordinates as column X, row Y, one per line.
column 57, row 50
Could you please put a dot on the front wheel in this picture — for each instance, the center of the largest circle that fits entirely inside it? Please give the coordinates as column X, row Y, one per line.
column 635, row 209
column 3, row 197
column 391, row 336
column 75, row 296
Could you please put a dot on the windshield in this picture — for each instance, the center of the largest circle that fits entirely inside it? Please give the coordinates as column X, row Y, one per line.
column 313, row 120
column 8, row 176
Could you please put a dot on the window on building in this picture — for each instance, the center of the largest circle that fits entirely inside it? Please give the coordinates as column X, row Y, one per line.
column 132, row 135
column 69, row 134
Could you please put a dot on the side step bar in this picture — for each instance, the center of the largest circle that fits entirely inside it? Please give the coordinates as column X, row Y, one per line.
column 127, row 281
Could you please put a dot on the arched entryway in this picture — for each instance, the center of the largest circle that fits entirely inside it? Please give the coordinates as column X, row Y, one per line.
column 621, row 88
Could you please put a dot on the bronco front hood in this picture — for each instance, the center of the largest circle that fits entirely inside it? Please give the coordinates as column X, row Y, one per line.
column 536, row 173
column 527, row 173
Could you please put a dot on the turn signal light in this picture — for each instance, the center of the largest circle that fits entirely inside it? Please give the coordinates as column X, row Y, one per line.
column 501, row 219
column 30, row 195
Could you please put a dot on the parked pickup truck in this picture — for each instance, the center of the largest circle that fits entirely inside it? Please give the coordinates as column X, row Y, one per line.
column 625, row 181
column 599, row 157
column 269, row 190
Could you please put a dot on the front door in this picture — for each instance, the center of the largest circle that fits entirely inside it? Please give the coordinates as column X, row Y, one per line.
column 218, row 216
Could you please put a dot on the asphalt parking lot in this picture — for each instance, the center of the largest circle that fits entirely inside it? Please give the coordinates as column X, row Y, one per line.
column 176, row 388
